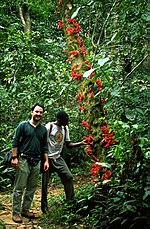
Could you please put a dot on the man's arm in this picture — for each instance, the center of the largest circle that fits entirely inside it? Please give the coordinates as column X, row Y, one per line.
column 14, row 160
column 75, row 144
column 14, row 152
column 46, row 162
column 15, row 144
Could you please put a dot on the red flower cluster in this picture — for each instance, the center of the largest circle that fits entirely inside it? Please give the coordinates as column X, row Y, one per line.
column 83, row 50
column 60, row 24
column 84, row 123
column 108, row 137
column 81, row 108
column 95, row 169
column 74, row 22
column 106, row 175
column 89, row 151
column 89, row 139
column 91, row 94
column 80, row 41
column 76, row 75
column 80, row 97
column 70, row 30
column 99, row 83
column 75, row 29
column 88, row 64
column 74, row 53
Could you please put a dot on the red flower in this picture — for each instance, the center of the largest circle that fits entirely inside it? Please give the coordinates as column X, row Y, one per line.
column 94, row 180
column 60, row 24
column 89, row 139
column 105, row 128
column 99, row 83
column 91, row 94
column 86, row 62
column 84, row 123
column 74, row 53
column 76, row 75
column 81, row 108
column 88, row 150
column 70, row 30
column 108, row 137
column 73, row 21
column 68, row 60
column 95, row 169
column 106, row 175
column 80, row 96
column 103, row 100
column 80, row 41
column 83, row 50
column 93, row 73
column 78, row 29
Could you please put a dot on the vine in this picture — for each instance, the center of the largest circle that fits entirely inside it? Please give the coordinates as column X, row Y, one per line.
column 89, row 96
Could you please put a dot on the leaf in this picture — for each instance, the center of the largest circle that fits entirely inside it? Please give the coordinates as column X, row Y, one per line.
column 135, row 126
column 116, row 219
column 139, row 111
column 103, row 164
column 115, row 93
column 108, row 104
column 75, row 13
column 101, row 62
column 147, row 194
column 88, row 73
column 116, row 199
column 106, row 181
column 130, row 114
column 113, row 36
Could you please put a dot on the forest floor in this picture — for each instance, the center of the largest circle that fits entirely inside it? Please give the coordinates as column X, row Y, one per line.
column 53, row 190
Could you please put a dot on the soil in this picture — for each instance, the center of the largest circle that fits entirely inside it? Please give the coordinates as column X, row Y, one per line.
column 53, row 190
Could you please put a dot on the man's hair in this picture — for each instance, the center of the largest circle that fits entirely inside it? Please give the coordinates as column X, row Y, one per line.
column 61, row 115
column 37, row 104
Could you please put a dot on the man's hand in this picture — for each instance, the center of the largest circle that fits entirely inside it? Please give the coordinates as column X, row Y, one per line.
column 84, row 142
column 14, row 162
column 46, row 166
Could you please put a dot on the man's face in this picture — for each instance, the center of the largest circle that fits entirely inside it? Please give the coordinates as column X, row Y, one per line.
column 37, row 113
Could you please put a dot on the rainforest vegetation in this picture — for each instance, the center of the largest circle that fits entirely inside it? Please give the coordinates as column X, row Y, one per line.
column 90, row 59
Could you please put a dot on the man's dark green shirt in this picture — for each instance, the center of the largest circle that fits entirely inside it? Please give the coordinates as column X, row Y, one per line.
column 30, row 141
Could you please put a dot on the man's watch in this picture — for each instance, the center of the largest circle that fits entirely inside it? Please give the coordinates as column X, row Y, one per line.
column 13, row 157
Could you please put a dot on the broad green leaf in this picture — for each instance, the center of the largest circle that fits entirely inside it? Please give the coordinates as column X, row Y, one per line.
column 88, row 73
column 130, row 114
column 101, row 62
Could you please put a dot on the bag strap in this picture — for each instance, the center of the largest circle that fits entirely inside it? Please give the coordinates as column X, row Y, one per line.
column 50, row 127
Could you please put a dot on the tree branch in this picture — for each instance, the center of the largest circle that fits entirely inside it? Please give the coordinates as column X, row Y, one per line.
column 21, row 15
column 25, row 17
column 106, row 22
column 134, row 69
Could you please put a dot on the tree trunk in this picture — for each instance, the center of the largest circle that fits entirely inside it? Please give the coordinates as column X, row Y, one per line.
column 25, row 17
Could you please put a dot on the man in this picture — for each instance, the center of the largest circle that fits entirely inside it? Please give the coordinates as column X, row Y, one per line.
column 58, row 133
column 29, row 143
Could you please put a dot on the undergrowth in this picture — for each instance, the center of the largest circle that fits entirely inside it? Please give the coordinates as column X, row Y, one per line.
column 105, row 205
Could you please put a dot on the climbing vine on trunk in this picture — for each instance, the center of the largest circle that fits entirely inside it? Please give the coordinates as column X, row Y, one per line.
column 90, row 99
